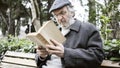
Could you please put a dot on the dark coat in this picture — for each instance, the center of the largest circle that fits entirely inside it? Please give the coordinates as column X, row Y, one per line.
column 83, row 47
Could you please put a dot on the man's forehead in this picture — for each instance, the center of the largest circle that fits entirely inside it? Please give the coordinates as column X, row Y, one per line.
column 60, row 10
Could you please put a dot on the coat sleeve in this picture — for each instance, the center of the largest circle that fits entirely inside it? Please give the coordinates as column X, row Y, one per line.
column 91, row 57
column 39, row 62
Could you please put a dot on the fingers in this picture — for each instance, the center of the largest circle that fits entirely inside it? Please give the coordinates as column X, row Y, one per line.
column 51, row 47
column 53, row 52
column 40, row 50
column 57, row 50
column 41, row 53
column 55, row 42
column 40, row 47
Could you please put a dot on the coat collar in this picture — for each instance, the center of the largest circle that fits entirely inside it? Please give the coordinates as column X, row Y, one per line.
column 76, row 26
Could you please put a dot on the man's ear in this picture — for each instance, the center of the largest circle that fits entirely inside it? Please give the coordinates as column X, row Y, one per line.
column 72, row 14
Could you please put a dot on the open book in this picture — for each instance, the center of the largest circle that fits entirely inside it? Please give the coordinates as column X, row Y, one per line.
column 48, row 31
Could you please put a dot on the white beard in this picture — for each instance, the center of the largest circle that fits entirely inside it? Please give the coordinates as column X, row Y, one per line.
column 66, row 30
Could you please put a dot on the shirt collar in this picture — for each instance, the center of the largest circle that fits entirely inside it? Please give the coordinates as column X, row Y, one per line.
column 76, row 26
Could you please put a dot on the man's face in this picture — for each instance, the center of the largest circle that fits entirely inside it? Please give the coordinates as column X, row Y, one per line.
column 62, row 16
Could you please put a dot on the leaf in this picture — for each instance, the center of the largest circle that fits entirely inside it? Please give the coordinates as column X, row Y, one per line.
column 115, row 58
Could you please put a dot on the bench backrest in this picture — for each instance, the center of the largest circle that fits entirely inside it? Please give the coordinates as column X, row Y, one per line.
column 110, row 64
column 19, row 58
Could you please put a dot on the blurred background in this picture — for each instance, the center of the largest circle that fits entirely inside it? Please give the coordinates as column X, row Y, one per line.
column 19, row 17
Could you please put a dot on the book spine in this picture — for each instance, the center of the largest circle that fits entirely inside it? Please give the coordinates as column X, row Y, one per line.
column 43, row 41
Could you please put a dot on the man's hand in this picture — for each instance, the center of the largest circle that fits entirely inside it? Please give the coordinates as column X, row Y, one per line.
column 41, row 51
column 57, row 48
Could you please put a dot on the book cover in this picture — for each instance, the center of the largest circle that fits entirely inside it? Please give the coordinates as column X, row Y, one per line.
column 48, row 31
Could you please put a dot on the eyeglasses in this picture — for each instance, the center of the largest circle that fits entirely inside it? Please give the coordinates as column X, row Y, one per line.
column 60, row 14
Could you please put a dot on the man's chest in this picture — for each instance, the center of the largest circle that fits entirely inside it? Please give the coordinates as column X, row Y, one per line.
column 76, row 40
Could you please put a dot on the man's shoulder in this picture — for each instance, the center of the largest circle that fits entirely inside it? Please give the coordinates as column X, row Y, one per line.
column 85, row 23
column 84, row 26
column 88, row 25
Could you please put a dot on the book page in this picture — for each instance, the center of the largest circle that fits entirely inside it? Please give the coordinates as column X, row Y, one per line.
column 42, row 40
column 37, row 38
column 47, row 32
column 50, row 31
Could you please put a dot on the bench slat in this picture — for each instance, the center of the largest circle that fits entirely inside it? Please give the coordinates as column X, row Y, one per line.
column 20, row 54
column 8, row 65
column 26, row 62
column 108, row 63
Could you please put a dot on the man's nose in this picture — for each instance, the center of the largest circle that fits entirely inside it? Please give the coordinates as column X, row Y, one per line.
column 60, row 17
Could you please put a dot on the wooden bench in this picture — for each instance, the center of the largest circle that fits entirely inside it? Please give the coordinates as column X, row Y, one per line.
column 18, row 60
column 110, row 64
column 27, row 60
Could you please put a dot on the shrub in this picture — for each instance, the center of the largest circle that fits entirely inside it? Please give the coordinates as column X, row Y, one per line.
column 112, row 49
column 15, row 44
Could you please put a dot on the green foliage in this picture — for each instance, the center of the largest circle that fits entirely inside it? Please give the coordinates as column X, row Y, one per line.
column 110, row 13
column 15, row 44
column 109, row 18
column 104, row 29
column 111, row 45
column 112, row 49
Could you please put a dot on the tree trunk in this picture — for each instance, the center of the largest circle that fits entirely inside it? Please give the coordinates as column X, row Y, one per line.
column 35, row 14
column 11, row 26
column 4, row 23
column 48, row 7
column 92, row 11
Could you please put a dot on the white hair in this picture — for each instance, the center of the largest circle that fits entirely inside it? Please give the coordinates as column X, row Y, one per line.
column 70, row 8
